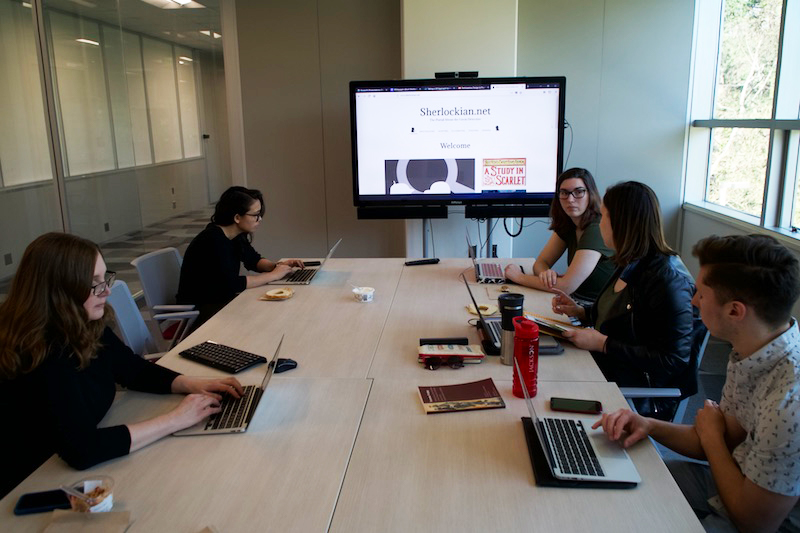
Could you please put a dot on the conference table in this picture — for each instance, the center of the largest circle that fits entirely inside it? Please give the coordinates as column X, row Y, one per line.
column 342, row 442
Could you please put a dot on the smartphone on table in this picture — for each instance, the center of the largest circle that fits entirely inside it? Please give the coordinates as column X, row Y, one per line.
column 572, row 405
column 41, row 502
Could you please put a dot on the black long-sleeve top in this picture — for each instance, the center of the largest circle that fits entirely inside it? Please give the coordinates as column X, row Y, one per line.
column 653, row 330
column 56, row 409
column 210, row 270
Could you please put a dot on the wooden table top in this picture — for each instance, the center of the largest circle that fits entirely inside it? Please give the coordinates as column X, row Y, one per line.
column 343, row 442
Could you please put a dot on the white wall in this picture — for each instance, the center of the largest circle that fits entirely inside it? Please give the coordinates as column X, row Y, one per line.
column 456, row 35
column 627, row 64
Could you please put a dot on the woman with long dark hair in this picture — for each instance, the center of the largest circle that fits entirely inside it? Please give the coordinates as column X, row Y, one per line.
column 574, row 221
column 60, row 363
column 646, row 331
column 210, row 271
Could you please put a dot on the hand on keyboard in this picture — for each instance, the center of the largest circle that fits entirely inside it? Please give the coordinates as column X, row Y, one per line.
column 282, row 270
column 212, row 387
column 193, row 409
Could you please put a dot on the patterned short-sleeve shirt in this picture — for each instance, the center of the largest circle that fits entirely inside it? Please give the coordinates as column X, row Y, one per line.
column 762, row 392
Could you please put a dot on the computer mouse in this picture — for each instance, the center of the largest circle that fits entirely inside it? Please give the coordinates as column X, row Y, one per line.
column 282, row 365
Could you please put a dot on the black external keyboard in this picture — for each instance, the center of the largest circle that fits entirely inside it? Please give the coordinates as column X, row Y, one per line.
column 574, row 452
column 222, row 357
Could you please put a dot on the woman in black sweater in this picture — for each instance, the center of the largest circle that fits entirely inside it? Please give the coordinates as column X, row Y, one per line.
column 646, row 332
column 210, row 270
column 59, row 365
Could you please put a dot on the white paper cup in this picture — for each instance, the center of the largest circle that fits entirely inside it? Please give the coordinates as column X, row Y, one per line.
column 363, row 294
column 97, row 495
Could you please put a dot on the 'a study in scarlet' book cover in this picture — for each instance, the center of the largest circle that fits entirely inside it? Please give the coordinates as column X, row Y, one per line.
column 462, row 397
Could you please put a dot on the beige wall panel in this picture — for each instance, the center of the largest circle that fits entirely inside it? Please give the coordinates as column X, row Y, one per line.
column 25, row 213
column 359, row 40
column 183, row 183
column 215, row 123
column 94, row 201
column 281, row 102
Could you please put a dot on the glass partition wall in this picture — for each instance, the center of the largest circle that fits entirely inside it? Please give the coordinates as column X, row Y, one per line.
column 113, row 117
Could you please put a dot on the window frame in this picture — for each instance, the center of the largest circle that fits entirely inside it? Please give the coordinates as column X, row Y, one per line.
column 781, row 177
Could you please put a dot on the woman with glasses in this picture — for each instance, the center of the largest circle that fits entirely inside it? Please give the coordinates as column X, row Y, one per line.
column 60, row 363
column 646, row 332
column 575, row 216
column 210, row 271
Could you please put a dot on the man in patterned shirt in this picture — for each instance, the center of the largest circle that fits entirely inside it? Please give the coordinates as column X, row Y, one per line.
column 745, row 292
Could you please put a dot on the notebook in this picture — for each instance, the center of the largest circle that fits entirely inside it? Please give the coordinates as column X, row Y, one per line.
column 567, row 452
column 492, row 332
column 304, row 276
column 486, row 272
column 236, row 413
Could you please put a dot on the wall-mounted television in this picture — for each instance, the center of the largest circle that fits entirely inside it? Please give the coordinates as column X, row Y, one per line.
column 456, row 141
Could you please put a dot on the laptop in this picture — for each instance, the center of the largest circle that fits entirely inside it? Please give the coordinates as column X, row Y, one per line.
column 236, row 413
column 568, row 452
column 486, row 272
column 493, row 331
column 304, row 276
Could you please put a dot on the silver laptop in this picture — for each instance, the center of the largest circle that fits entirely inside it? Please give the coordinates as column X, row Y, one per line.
column 493, row 331
column 304, row 276
column 575, row 451
column 486, row 272
column 236, row 413
column 491, row 327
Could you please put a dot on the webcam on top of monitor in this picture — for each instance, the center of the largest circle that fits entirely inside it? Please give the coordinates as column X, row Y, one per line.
column 462, row 74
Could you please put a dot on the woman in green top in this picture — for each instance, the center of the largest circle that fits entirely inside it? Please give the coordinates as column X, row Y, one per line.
column 575, row 219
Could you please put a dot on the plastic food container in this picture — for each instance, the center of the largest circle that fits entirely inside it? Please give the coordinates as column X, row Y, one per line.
column 363, row 294
column 92, row 495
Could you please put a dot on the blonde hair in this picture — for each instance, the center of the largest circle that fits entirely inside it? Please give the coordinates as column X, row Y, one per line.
column 44, row 310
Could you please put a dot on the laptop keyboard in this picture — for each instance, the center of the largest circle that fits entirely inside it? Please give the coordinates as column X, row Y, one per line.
column 570, row 443
column 496, row 331
column 234, row 410
column 492, row 270
column 304, row 274
column 222, row 357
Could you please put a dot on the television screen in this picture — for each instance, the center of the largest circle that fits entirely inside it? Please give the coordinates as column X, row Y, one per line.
column 456, row 141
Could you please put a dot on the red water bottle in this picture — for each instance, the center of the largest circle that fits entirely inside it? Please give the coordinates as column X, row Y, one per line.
column 526, row 353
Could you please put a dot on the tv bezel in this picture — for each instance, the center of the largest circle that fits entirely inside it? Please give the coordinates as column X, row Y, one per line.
column 490, row 199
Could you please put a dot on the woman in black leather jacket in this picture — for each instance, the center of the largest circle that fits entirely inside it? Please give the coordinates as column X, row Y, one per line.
column 646, row 332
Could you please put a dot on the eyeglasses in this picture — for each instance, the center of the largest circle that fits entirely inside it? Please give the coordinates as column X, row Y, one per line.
column 578, row 193
column 454, row 361
column 258, row 216
column 101, row 287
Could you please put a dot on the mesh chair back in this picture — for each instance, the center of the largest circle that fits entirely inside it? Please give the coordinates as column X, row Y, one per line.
column 159, row 272
column 130, row 323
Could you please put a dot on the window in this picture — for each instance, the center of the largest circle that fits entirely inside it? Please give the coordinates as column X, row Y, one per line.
column 24, row 152
column 162, row 98
column 190, row 124
column 124, row 100
column 84, row 116
column 123, row 59
column 742, row 152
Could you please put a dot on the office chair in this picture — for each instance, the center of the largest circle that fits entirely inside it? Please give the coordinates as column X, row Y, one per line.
column 160, row 272
column 699, row 344
column 130, row 324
